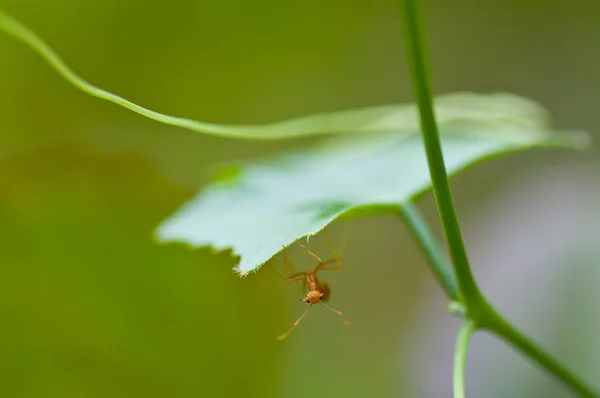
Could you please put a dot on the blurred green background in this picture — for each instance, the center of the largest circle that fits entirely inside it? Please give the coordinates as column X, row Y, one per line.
column 91, row 307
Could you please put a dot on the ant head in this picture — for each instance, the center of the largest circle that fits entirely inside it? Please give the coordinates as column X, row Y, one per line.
column 312, row 297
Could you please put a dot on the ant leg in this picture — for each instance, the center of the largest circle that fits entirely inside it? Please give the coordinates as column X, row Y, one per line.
column 291, row 277
column 345, row 239
column 288, row 268
column 283, row 336
column 311, row 253
column 345, row 320
column 323, row 265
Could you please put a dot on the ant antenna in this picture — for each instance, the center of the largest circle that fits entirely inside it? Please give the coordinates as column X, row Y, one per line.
column 345, row 320
column 283, row 336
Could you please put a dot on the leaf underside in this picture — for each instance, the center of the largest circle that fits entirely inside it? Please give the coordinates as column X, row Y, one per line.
column 273, row 202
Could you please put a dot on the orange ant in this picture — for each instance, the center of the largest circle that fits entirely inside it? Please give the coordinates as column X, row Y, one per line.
column 317, row 291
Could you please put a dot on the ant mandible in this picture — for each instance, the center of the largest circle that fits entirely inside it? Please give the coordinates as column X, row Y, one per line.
column 317, row 291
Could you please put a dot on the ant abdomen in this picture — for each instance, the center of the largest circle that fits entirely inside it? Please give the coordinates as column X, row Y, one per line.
column 324, row 288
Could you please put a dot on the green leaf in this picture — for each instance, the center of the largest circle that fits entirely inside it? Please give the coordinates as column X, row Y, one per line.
column 272, row 203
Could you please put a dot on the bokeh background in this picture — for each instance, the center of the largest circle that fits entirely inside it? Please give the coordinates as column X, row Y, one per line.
column 91, row 307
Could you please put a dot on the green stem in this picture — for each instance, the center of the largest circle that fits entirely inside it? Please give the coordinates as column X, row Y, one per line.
column 418, row 62
column 272, row 131
column 478, row 310
column 503, row 329
column 487, row 317
column 27, row 36
column 440, row 265
column 460, row 357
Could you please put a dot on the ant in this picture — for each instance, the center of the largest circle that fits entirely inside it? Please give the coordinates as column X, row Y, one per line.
column 317, row 291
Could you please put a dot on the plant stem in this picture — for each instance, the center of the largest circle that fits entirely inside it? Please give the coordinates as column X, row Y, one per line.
column 503, row 329
column 460, row 357
column 440, row 265
column 487, row 317
column 478, row 309
column 418, row 62
column 272, row 131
